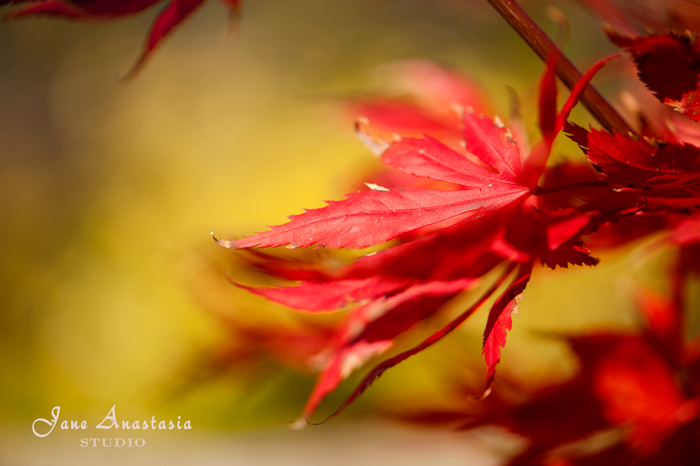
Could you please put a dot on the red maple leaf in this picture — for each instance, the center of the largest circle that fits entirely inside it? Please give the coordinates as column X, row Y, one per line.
column 637, row 163
column 496, row 215
column 376, row 216
column 669, row 65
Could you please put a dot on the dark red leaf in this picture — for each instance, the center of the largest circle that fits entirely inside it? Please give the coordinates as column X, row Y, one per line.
column 636, row 387
column 636, row 163
column 670, row 66
column 499, row 321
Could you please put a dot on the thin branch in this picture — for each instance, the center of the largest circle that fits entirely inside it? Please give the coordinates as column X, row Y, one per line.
column 536, row 38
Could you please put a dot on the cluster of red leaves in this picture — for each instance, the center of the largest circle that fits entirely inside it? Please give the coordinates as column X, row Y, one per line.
column 482, row 214
column 636, row 397
column 171, row 16
column 477, row 204
column 634, row 401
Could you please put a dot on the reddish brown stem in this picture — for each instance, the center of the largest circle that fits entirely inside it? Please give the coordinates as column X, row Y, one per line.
column 543, row 46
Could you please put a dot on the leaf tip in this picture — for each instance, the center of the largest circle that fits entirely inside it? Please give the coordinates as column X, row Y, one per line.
column 498, row 122
column 228, row 244
column 376, row 146
column 487, row 391
column 298, row 424
column 458, row 109
column 376, row 187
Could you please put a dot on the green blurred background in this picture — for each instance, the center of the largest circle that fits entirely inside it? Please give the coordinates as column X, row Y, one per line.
column 110, row 189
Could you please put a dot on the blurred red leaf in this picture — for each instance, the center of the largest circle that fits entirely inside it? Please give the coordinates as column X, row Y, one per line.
column 175, row 12
column 670, row 66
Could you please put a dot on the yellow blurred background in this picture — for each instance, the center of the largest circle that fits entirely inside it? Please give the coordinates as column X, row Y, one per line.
column 110, row 190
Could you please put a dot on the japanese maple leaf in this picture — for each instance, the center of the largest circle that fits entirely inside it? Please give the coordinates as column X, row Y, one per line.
column 376, row 216
column 670, row 67
column 489, row 171
column 667, row 172
column 491, row 219
column 372, row 217
column 175, row 12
